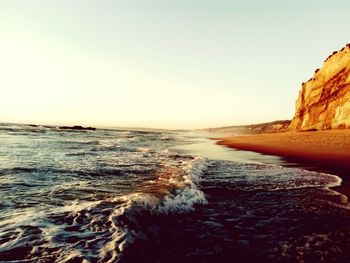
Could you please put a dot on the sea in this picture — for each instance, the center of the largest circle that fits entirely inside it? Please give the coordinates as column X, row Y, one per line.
column 119, row 195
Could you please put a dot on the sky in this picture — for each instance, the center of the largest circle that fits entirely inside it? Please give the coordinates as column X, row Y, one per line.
column 160, row 63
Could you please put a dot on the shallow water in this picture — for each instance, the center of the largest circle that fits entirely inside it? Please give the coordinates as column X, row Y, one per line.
column 143, row 196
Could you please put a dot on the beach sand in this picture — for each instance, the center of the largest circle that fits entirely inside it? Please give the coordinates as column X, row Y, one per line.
column 324, row 151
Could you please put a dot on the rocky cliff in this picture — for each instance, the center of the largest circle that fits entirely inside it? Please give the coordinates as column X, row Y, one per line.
column 324, row 100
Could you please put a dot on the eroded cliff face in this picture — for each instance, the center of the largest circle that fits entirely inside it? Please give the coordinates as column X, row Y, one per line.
column 324, row 100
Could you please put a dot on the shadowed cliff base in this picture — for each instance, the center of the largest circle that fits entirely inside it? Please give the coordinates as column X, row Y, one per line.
column 323, row 151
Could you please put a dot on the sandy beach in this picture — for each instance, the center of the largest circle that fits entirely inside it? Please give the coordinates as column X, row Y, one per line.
column 325, row 151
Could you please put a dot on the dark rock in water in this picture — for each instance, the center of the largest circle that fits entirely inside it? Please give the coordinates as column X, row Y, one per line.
column 32, row 125
column 77, row 127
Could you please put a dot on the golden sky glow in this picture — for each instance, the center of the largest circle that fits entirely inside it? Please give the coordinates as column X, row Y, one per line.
column 166, row 64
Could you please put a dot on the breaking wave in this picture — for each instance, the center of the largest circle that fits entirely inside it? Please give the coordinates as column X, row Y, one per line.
column 128, row 196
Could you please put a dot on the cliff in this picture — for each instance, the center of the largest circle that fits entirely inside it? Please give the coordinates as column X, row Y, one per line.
column 324, row 100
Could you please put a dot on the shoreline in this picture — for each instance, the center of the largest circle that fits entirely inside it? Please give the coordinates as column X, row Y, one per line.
column 321, row 151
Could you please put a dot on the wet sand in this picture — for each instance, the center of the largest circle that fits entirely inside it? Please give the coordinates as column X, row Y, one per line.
column 323, row 151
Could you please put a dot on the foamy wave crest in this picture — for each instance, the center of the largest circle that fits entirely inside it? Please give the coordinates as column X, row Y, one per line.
column 187, row 192
column 176, row 190
column 113, row 224
column 101, row 228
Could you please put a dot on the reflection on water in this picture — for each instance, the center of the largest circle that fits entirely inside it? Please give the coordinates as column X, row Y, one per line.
column 144, row 196
column 207, row 148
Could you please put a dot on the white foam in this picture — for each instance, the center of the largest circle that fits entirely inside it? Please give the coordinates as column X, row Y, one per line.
column 145, row 149
column 188, row 193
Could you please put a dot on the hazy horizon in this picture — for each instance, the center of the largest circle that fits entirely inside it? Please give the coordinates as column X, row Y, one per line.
column 162, row 64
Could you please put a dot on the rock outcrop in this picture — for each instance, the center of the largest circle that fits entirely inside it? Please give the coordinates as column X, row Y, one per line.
column 77, row 127
column 324, row 100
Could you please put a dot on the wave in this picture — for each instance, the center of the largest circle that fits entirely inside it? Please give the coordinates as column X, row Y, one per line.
column 253, row 177
column 115, row 196
column 108, row 226
column 174, row 191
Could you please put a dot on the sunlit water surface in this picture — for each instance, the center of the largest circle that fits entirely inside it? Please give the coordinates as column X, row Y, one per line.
column 145, row 196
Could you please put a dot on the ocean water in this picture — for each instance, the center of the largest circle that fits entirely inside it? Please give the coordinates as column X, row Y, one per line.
column 148, row 196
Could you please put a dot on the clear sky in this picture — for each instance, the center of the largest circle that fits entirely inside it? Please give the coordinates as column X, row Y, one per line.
column 166, row 64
